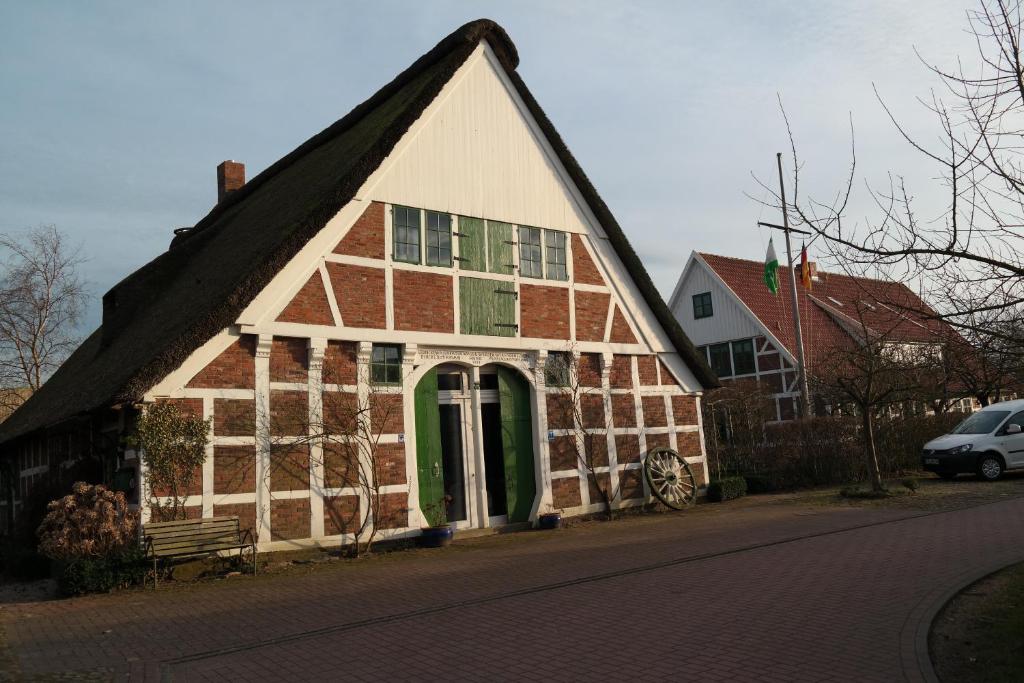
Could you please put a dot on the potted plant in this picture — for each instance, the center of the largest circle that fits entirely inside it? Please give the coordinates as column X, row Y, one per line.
column 440, row 533
column 551, row 519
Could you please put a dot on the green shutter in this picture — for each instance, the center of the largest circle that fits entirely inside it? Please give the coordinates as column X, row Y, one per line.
column 428, row 450
column 487, row 307
column 472, row 249
column 517, row 443
column 499, row 247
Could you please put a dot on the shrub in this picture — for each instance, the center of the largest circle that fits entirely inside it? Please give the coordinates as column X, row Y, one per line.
column 90, row 522
column 103, row 574
column 910, row 484
column 727, row 489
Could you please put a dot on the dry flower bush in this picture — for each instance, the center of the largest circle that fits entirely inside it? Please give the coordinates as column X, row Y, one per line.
column 92, row 521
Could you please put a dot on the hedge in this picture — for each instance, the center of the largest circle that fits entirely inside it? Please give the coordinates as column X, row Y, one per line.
column 727, row 488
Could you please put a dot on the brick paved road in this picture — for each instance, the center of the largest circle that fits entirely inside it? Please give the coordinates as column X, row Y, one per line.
column 762, row 592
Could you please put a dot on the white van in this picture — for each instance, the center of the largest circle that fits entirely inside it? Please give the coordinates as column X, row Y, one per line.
column 987, row 443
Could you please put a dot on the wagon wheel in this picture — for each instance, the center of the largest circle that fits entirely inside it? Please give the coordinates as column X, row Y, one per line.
column 670, row 478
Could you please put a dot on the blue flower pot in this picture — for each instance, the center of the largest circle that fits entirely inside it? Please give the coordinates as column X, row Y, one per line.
column 551, row 520
column 437, row 536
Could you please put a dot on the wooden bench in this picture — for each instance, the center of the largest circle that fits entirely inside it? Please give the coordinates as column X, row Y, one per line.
column 194, row 537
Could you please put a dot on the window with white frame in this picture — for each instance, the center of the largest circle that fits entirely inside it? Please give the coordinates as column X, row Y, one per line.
column 554, row 255
column 439, row 239
column 406, row 234
column 530, row 258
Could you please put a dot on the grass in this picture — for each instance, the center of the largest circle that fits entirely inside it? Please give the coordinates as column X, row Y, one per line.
column 977, row 636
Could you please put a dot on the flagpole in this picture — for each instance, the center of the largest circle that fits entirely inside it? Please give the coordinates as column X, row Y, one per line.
column 802, row 367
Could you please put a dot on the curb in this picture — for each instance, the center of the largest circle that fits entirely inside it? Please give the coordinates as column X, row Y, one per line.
column 914, row 651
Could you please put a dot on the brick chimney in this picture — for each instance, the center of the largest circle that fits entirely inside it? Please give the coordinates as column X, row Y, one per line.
column 230, row 177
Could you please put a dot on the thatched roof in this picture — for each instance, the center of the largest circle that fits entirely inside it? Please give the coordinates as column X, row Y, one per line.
column 158, row 315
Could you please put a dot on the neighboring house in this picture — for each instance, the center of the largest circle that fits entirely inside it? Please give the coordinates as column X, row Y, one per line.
column 746, row 332
column 441, row 238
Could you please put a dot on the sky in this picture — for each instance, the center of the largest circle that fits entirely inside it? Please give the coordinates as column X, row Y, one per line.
column 114, row 116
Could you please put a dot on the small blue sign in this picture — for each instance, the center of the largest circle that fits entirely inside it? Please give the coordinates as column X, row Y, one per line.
column 551, row 436
column 401, row 438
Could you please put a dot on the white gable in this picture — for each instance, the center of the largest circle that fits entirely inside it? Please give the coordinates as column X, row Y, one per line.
column 478, row 153
column 731, row 319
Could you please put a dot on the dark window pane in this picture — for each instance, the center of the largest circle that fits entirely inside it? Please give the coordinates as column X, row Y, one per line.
column 449, row 381
column 556, row 369
column 530, row 264
column 702, row 306
column 488, row 382
column 386, row 364
column 554, row 248
column 743, row 357
column 406, row 234
column 718, row 356
column 439, row 239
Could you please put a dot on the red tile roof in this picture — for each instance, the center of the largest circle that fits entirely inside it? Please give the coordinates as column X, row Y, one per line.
column 836, row 308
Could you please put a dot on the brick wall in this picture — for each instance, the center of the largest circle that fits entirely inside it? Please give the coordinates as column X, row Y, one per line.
column 657, row 441
column 289, row 519
column 424, row 302
column 234, row 368
column 623, row 410
column 366, row 236
column 591, row 315
column 621, row 373
column 309, row 305
column 339, row 363
column 654, row 411
column 583, row 268
column 390, row 459
column 562, row 453
column 565, row 493
column 560, row 411
column 289, row 468
column 386, row 413
column 667, row 378
column 631, row 484
column 595, row 447
column 359, row 291
column 648, row 371
column 543, row 312
column 341, row 465
column 341, row 515
column 234, row 417
column 621, row 333
column 603, row 480
column 590, row 369
column 288, row 360
column 592, row 411
column 289, row 412
column 394, row 511
column 688, row 444
column 234, row 469
column 684, row 410
column 627, row 448
column 246, row 513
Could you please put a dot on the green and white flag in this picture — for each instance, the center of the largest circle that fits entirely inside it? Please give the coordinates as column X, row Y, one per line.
column 771, row 269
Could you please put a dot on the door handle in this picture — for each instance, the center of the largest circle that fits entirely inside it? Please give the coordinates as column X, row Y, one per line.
column 437, row 469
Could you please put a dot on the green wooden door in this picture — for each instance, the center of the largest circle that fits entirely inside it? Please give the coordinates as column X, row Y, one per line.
column 499, row 247
column 472, row 246
column 428, row 450
column 487, row 307
column 517, row 443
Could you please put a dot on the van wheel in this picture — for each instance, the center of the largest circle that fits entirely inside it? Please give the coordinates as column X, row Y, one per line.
column 990, row 467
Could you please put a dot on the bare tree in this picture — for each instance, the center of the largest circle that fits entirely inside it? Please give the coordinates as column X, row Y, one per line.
column 876, row 370
column 968, row 255
column 41, row 302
